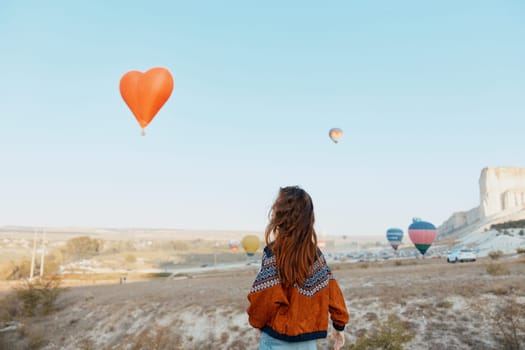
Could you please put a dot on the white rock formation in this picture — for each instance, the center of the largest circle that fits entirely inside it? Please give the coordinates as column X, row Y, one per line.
column 501, row 190
column 502, row 194
column 460, row 220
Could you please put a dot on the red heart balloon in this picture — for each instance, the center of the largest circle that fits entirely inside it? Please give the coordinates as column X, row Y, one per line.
column 146, row 93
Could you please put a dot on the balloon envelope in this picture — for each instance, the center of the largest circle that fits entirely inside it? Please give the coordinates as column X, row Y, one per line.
column 335, row 134
column 250, row 244
column 394, row 237
column 422, row 234
column 146, row 93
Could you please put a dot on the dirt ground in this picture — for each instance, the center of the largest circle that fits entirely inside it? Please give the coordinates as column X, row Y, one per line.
column 446, row 306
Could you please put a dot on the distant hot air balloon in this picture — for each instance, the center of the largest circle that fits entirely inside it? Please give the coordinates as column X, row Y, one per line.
column 422, row 234
column 234, row 245
column 335, row 134
column 394, row 236
column 146, row 93
column 250, row 244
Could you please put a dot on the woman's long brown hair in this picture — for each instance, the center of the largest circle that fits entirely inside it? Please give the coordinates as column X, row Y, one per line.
column 295, row 244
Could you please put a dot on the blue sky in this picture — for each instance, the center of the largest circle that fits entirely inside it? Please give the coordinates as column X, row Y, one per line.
column 428, row 93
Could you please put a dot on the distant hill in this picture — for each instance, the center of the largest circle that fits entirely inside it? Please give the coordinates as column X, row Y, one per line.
column 129, row 233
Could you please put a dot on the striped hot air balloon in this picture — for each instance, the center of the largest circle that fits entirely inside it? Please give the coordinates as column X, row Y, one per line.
column 422, row 234
column 394, row 236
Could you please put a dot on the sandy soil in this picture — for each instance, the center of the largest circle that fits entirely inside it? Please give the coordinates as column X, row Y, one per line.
column 447, row 306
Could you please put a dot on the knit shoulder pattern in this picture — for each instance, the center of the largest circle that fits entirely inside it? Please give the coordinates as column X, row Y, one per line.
column 268, row 277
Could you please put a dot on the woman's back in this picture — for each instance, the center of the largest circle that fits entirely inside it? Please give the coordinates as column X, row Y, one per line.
column 294, row 290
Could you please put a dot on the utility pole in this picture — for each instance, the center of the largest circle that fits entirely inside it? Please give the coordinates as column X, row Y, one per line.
column 33, row 256
column 43, row 253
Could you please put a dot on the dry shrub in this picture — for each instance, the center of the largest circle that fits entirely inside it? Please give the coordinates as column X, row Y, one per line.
column 520, row 250
column 391, row 335
column 405, row 262
column 36, row 339
column 495, row 254
column 500, row 289
column 364, row 266
column 37, row 297
column 8, row 341
column 509, row 322
column 497, row 269
column 86, row 344
column 157, row 338
column 9, row 308
column 23, row 339
column 444, row 304
column 238, row 344
column 180, row 245
column 370, row 316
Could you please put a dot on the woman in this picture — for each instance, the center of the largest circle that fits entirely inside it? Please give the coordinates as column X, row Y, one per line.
column 295, row 290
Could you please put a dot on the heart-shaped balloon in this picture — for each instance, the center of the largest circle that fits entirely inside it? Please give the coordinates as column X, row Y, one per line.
column 335, row 134
column 146, row 93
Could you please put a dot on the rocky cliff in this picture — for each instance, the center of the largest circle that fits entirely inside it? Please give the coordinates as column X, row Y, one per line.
column 502, row 190
column 502, row 197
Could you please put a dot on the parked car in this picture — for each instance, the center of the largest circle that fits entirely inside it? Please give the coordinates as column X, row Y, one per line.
column 461, row 255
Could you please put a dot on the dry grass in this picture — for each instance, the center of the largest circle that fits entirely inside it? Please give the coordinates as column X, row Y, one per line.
column 508, row 320
column 24, row 339
column 500, row 289
column 158, row 338
column 30, row 298
column 390, row 334
column 438, row 302
column 497, row 269
column 444, row 304
column 495, row 255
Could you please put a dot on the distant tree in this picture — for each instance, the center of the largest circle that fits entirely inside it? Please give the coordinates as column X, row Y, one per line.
column 119, row 247
column 180, row 245
column 83, row 248
column 16, row 270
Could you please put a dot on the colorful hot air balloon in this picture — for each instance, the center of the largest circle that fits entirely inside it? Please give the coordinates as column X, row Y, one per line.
column 394, row 236
column 250, row 244
column 234, row 245
column 146, row 93
column 335, row 134
column 422, row 234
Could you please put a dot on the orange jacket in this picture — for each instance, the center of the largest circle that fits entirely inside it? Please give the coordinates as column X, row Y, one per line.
column 296, row 313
